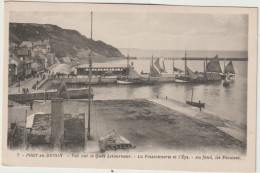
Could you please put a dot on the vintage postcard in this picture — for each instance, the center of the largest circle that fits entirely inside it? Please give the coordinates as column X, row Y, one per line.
column 124, row 86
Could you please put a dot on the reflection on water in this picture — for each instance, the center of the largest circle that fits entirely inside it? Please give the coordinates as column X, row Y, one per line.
column 228, row 102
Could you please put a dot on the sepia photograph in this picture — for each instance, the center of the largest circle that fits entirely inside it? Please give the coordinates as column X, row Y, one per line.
column 118, row 82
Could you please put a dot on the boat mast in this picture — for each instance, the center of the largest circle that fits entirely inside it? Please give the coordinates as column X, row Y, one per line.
column 224, row 66
column 185, row 63
column 128, row 58
column 173, row 66
column 191, row 95
column 204, row 67
column 151, row 66
column 128, row 65
column 89, row 83
column 206, row 64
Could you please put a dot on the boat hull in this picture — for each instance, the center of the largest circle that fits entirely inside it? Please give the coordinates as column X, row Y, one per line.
column 226, row 84
column 181, row 81
column 121, row 82
column 213, row 76
column 195, row 104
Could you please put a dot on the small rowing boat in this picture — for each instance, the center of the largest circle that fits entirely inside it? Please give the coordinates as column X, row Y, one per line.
column 195, row 104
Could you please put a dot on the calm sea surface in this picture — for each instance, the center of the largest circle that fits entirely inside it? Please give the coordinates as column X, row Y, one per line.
column 228, row 102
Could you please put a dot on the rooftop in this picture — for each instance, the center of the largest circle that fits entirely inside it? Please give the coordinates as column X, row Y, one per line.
column 103, row 65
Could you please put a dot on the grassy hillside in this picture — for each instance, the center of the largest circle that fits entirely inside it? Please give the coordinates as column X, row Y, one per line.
column 64, row 42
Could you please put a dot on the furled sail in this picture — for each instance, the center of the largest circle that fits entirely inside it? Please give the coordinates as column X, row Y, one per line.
column 191, row 74
column 214, row 65
column 229, row 68
column 154, row 70
column 159, row 64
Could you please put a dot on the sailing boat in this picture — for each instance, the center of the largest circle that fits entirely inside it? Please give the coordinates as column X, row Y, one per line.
column 190, row 76
column 213, row 69
column 175, row 69
column 195, row 104
column 229, row 70
column 183, row 78
column 195, row 78
column 132, row 76
column 157, row 68
column 125, row 80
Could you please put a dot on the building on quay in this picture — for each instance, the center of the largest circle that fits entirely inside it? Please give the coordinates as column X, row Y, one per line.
column 101, row 69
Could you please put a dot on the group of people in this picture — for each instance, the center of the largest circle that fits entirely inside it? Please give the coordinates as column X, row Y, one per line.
column 25, row 90
column 63, row 75
column 159, row 97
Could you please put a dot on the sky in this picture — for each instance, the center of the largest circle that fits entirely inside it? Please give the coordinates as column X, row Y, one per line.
column 152, row 31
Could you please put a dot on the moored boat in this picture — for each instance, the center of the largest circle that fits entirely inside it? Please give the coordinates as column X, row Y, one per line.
column 181, row 81
column 124, row 82
column 189, row 75
column 229, row 71
column 195, row 104
column 226, row 83
column 213, row 69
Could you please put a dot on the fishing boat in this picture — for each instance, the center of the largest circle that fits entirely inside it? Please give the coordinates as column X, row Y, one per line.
column 132, row 77
column 124, row 82
column 229, row 71
column 226, row 83
column 158, row 73
column 195, row 77
column 183, row 78
column 228, row 80
column 179, row 80
column 190, row 76
column 213, row 69
column 195, row 104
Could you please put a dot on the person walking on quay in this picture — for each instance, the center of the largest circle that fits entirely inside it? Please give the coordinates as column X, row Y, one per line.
column 31, row 104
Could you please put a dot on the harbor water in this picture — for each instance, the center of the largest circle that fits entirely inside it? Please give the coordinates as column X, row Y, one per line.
column 228, row 103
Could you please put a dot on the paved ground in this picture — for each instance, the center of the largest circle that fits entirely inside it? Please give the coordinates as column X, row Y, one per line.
column 24, row 84
column 149, row 126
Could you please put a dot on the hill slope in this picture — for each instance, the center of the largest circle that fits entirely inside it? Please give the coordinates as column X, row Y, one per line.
column 64, row 42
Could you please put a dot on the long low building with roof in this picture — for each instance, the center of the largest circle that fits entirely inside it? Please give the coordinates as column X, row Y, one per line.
column 102, row 69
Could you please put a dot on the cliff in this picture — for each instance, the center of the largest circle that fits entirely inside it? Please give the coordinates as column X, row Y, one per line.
column 64, row 42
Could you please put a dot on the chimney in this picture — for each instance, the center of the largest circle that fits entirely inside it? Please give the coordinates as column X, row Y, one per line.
column 57, row 123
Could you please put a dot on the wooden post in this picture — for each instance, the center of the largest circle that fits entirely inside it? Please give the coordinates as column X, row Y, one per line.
column 89, row 89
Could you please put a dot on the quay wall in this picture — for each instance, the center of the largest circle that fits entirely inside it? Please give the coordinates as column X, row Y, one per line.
column 94, row 81
column 163, row 79
column 48, row 95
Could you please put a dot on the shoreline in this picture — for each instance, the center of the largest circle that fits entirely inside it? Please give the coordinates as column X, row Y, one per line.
column 224, row 125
